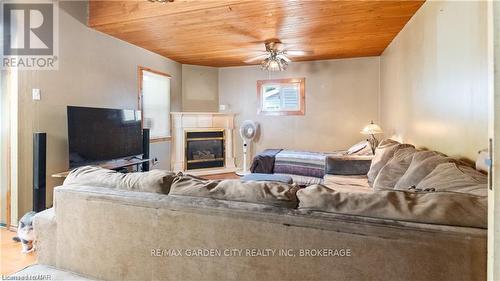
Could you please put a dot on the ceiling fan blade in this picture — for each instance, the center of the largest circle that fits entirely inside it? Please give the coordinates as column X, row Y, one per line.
column 256, row 58
column 297, row 52
column 285, row 58
column 254, row 51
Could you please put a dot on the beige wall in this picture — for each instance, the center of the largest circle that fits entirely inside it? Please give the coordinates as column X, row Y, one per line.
column 94, row 70
column 341, row 98
column 200, row 88
column 434, row 79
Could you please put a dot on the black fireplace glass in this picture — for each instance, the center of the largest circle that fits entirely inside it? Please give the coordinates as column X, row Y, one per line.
column 204, row 153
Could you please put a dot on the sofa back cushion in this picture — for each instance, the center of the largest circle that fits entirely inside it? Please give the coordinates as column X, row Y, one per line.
column 157, row 181
column 452, row 177
column 261, row 192
column 383, row 153
column 422, row 163
column 446, row 208
column 394, row 169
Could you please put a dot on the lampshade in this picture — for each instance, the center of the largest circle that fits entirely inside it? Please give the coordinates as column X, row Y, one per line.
column 372, row 129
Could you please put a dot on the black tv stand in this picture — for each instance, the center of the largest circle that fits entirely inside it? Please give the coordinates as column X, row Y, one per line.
column 111, row 165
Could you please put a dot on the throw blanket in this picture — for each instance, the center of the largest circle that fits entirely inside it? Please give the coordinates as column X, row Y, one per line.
column 264, row 162
column 303, row 163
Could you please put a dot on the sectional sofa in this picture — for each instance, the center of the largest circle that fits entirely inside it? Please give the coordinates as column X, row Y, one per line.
column 427, row 224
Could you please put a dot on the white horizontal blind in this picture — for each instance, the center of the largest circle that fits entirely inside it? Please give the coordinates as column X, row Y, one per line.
column 156, row 104
column 280, row 97
column 290, row 97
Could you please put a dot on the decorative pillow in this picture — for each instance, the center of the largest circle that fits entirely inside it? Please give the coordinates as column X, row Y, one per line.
column 422, row 163
column 366, row 151
column 347, row 164
column 261, row 192
column 357, row 147
column 433, row 207
column 157, row 181
column 394, row 169
column 451, row 177
column 383, row 153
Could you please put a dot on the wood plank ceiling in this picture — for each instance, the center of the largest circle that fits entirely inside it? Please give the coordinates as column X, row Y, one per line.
column 225, row 33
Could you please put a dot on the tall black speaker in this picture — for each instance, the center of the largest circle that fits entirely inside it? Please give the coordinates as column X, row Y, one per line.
column 145, row 149
column 39, row 170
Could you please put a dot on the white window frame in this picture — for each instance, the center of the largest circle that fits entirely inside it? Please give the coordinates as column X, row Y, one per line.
column 141, row 71
column 296, row 82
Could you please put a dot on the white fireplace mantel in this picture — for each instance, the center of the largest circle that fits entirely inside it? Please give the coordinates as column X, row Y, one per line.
column 190, row 121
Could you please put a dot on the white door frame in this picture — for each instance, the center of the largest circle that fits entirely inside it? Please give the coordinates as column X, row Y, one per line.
column 9, row 147
column 494, row 135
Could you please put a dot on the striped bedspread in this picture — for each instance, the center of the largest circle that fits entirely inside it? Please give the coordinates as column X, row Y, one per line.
column 310, row 164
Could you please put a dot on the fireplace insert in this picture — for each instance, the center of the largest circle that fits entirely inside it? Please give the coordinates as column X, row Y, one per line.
column 205, row 149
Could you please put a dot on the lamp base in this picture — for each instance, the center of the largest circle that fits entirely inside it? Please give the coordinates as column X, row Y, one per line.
column 373, row 141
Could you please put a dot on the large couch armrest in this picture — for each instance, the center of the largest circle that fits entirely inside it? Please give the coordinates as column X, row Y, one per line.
column 45, row 229
column 348, row 165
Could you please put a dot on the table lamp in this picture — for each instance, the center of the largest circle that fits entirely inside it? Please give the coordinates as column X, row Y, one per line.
column 372, row 129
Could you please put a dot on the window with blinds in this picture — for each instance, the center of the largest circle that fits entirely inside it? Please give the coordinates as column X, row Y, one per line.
column 281, row 97
column 155, row 103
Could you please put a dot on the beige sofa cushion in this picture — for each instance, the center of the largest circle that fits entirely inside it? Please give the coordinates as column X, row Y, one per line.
column 262, row 192
column 444, row 208
column 423, row 162
column 394, row 169
column 357, row 183
column 383, row 153
column 452, row 177
column 157, row 181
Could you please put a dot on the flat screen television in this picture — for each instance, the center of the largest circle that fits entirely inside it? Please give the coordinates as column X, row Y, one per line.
column 97, row 135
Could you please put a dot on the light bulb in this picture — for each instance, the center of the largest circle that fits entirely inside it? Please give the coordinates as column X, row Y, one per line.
column 273, row 65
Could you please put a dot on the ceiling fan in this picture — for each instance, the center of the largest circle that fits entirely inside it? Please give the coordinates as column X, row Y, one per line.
column 275, row 57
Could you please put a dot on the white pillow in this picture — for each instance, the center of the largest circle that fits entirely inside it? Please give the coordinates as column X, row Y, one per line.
column 357, row 147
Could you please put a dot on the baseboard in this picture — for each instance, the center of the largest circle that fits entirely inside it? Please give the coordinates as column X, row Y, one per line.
column 206, row 172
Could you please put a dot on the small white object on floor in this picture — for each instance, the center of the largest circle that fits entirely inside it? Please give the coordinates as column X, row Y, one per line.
column 483, row 161
column 46, row 272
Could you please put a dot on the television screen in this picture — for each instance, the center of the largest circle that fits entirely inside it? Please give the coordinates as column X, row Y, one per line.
column 101, row 134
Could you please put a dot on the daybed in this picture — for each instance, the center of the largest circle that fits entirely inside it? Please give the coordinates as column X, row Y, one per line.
column 161, row 226
column 305, row 167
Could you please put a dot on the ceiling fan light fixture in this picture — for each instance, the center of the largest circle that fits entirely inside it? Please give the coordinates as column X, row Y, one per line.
column 273, row 64
column 274, row 58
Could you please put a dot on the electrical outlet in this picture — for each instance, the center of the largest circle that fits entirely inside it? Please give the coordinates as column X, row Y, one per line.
column 155, row 161
column 223, row 107
column 37, row 94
